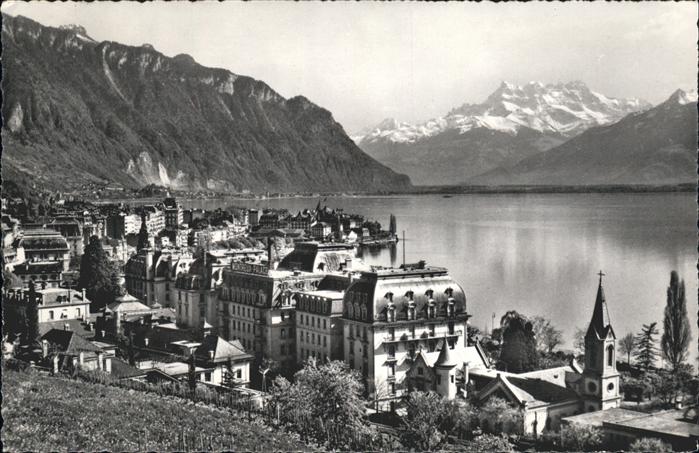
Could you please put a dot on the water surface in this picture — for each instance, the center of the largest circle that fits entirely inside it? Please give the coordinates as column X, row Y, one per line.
column 540, row 254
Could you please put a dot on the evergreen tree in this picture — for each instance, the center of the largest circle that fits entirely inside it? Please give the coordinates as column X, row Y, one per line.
column 676, row 335
column 97, row 276
column 191, row 374
column 392, row 224
column 646, row 352
column 32, row 316
column 518, row 351
column 143, row 241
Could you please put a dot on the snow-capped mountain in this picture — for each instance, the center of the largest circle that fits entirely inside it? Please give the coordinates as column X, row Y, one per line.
column 566, row 109
column 657, row 146
column 513, row 123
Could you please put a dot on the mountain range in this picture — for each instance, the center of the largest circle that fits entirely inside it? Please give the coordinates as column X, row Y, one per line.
column 512, row 124
column 79, row 111
column 657, row 146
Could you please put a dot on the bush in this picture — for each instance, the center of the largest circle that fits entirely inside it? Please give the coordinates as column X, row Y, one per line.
column 650, row 444
column 580, row 437
column 490, row 442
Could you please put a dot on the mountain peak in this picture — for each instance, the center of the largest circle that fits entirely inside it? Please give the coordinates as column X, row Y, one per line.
column 683, row 97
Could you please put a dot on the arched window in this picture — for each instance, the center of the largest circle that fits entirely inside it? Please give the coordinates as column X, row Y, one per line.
column 610, row 355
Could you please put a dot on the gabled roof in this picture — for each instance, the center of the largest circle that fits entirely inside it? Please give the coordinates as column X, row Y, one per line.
column 122, row 370
column 531, row 391
column 69, row 342
column 223, row 350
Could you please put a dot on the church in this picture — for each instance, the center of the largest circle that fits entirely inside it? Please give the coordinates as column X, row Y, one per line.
column 544, row 396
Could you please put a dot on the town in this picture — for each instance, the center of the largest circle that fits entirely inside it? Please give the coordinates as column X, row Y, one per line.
column 272, row 314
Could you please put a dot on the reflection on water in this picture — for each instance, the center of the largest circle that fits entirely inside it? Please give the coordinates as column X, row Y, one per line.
column 539, row 254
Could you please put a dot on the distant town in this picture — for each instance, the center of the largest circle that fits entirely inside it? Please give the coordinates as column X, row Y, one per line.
column 255, row 310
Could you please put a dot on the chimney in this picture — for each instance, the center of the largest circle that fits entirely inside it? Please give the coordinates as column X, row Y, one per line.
column 145, row 342
column 81, row 358
column 211, row 355
column 100, row 358
column 348, row 264
column 44, row 348
column 55, row 364
column 102, row 332
column 83, row 294
column 66, row 326
column 108, row 365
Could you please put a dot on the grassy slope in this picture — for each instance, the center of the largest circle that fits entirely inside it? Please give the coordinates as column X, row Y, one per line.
column 42, row 413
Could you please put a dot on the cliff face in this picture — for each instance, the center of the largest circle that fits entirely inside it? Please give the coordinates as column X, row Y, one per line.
column 79, row 111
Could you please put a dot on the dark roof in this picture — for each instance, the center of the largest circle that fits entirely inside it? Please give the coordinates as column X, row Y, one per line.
column 75, row 325
column 600, row 326
column 122, row 370
column 541, row 390
column 69, row 342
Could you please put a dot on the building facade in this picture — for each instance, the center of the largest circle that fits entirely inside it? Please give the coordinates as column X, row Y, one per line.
column 392, row 314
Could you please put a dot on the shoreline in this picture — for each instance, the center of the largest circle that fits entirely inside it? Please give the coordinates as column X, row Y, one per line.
column 431, row 190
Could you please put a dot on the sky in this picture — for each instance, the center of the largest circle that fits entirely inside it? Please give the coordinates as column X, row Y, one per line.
column 410, row 61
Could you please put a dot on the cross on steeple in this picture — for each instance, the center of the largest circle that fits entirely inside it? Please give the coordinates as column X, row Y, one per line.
column 601, row 274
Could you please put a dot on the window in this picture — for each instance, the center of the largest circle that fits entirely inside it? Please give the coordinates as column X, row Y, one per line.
column 391, row 333
column 451, row 378
column 610, row 355
column 207, row 376
column 420, row 371
column 591, row 387
column 392, row 388
column 451, row 327
column 324, row 324
column 313, row 322
column 610, row 387
column 283, row 349
column 283, row 333
column 325, row 340
column 391, row 351
column 77, row 312
column 439, row 379
column 51, row 314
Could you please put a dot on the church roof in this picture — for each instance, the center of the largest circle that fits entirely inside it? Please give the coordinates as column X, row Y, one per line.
column 600, row 325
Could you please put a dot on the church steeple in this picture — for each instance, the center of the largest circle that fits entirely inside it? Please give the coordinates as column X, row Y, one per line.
column 600, row 325
column 600, row 386
column 143, row 241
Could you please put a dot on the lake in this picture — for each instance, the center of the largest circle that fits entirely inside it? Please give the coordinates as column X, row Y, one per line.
column 540, row 254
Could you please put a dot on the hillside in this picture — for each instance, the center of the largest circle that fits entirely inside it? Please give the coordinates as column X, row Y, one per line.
column 44, row 413
column 79, row 111
column 513, row 123
column 654, row 147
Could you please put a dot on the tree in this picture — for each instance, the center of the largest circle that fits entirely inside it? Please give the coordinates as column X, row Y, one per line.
column 192, row 374
column 646, row 351
column 10, row 280
column 431, row 419
column 676, row 334
column 497, row 416
column 325, row 402
column 32, row 316
column 579, row 341
column 518, row 351
column 98, row 276
column 580, row 437
column 546, row 335
column 650, row 444
column 627, row 345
